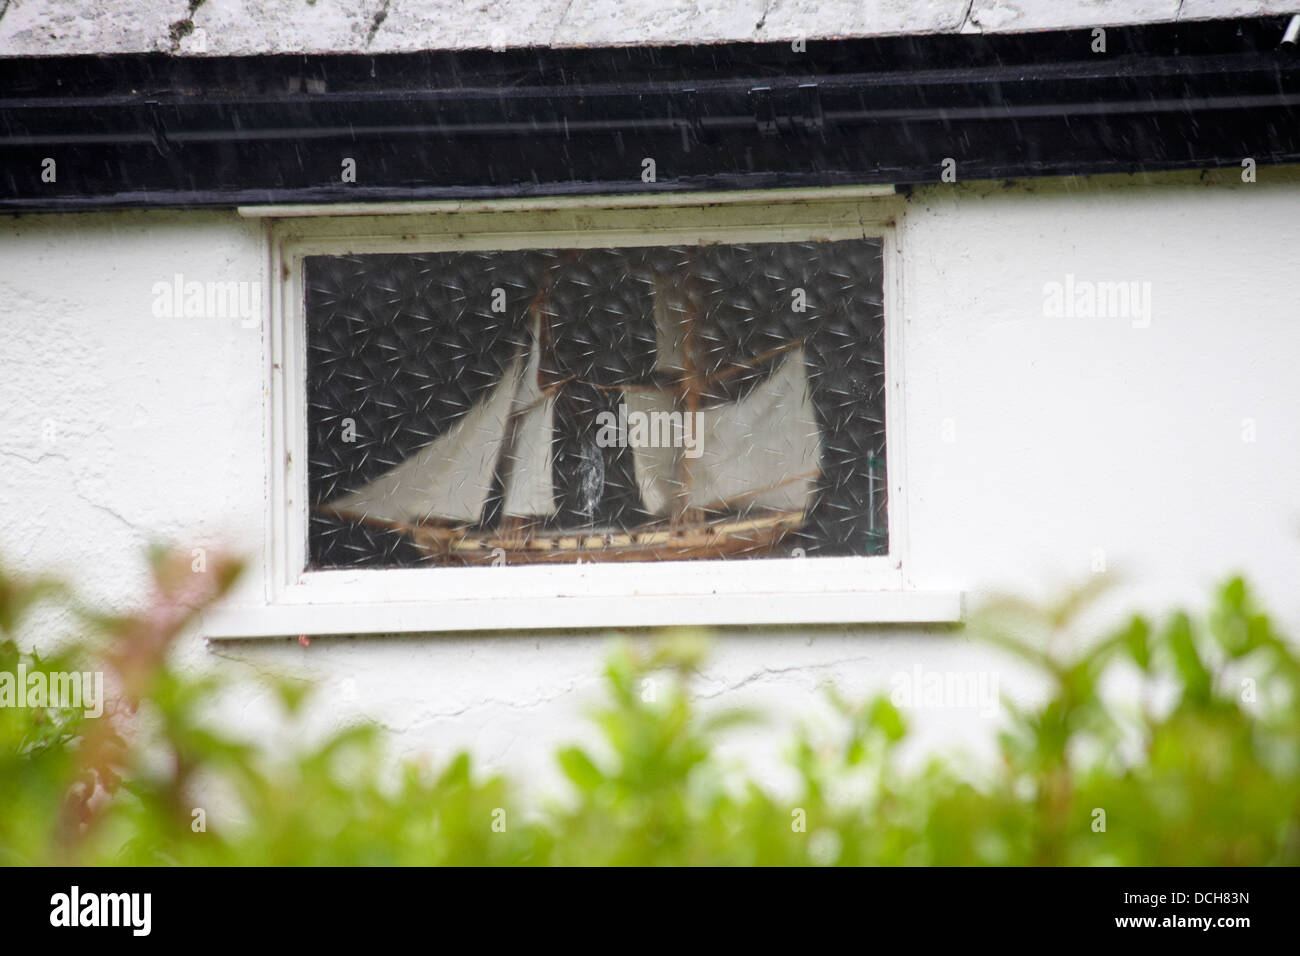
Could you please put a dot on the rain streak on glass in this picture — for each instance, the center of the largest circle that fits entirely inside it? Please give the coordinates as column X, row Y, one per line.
column 635, row 404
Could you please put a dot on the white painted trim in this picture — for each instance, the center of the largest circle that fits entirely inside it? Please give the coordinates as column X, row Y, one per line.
column 537, row 203
column 760, row 591
column 895, row 429
column 581, row 613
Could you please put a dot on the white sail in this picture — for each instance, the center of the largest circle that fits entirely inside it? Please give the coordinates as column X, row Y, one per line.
column 449, row 478
column 763, row 451
column 658, row 466
column 529, row 490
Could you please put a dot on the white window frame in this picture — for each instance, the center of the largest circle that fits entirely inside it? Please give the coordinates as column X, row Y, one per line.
column 808, row 590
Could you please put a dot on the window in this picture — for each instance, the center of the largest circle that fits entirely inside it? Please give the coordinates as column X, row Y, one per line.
column 586, row 413
column 610, row 404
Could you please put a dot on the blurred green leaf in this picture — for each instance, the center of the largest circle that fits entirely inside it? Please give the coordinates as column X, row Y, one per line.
column 1214, row 780
column 1196, row 679
column 580, row 769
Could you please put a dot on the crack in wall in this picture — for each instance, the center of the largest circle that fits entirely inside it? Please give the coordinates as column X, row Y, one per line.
column 37, row 460
column 182, row 28
column 966, row 20
column 129, row 525
column 559, row 23
column 380, row 16
column 765, row 672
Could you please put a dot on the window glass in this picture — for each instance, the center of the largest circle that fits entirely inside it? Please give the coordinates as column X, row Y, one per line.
column 564, row 405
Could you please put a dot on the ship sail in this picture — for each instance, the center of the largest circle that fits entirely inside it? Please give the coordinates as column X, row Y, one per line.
column 527, row 477
column 451, row 477
column 763, row 451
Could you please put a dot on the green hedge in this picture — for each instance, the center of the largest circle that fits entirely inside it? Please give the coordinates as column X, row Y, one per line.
column 1197, row 763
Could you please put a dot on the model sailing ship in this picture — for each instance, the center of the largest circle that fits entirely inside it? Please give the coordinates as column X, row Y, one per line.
column 750, row 481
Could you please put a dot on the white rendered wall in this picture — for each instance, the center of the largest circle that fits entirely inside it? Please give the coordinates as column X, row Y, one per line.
column 1031, row 441
column 247, row 27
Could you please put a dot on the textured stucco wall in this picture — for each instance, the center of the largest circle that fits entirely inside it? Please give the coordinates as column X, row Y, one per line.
column 234, row 27
column 1030, row 442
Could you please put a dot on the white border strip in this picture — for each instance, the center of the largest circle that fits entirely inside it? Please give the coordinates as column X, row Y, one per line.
column 585, row 613
column 541, row 203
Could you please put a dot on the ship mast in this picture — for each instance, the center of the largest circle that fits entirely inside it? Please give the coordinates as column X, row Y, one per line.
column 693, row 385
column 762, row 451
column 676, row 357
column 525, row 462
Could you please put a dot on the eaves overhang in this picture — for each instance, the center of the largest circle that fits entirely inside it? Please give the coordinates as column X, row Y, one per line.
column 150, row 130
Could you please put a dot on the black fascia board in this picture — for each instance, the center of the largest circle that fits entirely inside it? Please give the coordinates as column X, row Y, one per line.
column 152, row 130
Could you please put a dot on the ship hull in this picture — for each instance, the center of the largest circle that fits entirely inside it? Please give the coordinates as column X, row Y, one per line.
column 737, row 537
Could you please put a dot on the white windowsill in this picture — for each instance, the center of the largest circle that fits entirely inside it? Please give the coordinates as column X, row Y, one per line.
column 584, row 612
